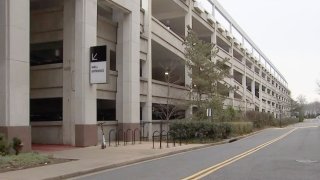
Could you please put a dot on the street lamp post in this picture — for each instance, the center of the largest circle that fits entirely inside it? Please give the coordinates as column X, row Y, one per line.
column 166, row 74
column 167, row 80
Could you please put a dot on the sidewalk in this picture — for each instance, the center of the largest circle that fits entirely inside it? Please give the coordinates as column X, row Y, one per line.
column 93, row 159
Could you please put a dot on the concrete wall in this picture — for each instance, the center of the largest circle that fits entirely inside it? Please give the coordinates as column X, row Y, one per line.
column 14, row 70
column 47, row 132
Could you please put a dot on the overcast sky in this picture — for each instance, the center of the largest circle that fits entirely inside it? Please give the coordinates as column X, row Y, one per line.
column 288, row 32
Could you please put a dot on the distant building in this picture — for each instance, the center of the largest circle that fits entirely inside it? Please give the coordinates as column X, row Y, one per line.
column 45, row 91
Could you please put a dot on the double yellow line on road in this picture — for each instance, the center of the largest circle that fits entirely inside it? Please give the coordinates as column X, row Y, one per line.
column 216, row 167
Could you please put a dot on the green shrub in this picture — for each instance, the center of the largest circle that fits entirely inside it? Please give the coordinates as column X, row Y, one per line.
column 224, row 130
column 5, row 146
column 240, row 128
column 285, row 121
column 16, row 145
column 230, row 115
column 209, row 130
column 260, row 119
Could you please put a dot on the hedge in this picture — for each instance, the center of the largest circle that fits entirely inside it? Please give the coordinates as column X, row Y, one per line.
column 208, row 129
column 262, row 120
column 285, row 121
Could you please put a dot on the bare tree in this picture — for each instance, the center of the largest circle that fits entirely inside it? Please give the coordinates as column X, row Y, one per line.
column 294, row 107
column 302, row 100
column 312, row 109
column 170, row 109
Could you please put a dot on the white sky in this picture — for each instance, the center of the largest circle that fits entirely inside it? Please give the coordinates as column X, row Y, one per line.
column 288, row 32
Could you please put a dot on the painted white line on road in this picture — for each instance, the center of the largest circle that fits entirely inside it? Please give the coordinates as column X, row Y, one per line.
column 307, row 127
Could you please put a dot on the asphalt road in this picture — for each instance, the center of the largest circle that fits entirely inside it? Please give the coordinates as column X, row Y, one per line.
column 289, row 153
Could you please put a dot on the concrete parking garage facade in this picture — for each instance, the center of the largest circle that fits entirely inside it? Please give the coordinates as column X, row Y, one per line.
column 45, row 92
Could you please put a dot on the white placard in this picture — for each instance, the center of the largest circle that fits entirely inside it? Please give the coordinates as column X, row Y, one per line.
column 98, row 72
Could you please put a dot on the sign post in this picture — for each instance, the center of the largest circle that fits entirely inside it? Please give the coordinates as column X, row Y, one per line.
column 98, row 65
column 209, row 112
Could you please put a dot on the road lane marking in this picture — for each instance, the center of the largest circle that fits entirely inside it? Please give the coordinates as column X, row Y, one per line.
column 218, row 166
column 304, row 127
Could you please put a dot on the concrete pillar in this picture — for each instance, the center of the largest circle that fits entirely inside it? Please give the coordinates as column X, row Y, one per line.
column 79, row 96
column 14, row 65
column 147, row 120
column 188, row 23
column 231, row 93
column 253, row 92
column 214, row 41
column 68, row 72
column 213, row 36
column 188, row 18
column 244, row 81
column 188, row 80
column 260, row 97
column 128, row 58
column 147, row 108
column 15, row 70
column 244, row 85
column 231, row 72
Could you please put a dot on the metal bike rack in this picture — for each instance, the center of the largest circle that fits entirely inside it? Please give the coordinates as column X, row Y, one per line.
column 173, row 134
column 112, row 130
column 185, row 136
column 141, row 136
column 161, row 133
column 134, row 135
column 125, row 141
column 182, row 134
column 142, row 129
column 153, row 136
column 180, row 137
column 124, row 138
column 118, row 139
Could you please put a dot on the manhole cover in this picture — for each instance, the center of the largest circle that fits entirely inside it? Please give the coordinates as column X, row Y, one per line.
column 307, row 161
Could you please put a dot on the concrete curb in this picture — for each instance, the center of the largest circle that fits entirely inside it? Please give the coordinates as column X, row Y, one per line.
column 102, row 168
